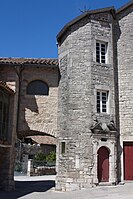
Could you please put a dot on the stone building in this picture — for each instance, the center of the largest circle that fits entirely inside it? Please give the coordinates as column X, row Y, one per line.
column 29, row 89
column 95, row 131
column 7, row 138
column 83, row 99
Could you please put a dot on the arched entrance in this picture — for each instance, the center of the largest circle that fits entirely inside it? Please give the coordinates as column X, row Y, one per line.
column 103, row 165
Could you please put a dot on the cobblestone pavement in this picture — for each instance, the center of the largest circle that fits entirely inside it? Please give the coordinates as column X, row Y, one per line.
column 42, row 187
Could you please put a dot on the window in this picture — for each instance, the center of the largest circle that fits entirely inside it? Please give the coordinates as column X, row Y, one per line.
column 4, row 106
column 63, row 147
column 37, row 87
column 101, row 52
column 102, row 101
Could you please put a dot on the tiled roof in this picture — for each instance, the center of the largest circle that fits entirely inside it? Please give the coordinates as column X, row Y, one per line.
column 6, row 87
column 43, row 139
column 27, row 61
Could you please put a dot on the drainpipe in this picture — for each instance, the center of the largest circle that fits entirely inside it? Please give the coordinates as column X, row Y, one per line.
column 18, row 70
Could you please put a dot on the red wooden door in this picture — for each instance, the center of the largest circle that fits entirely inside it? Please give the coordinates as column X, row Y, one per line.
column 103, row 164
column 128, row 160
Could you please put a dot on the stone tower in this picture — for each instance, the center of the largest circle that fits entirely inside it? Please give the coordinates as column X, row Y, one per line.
column 86, row 114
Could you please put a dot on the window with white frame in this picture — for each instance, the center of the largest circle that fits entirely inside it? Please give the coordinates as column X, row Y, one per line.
column 101, row 52
column 102, row 102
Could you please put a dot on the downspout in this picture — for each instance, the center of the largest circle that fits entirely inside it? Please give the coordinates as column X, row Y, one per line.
column 18, row 70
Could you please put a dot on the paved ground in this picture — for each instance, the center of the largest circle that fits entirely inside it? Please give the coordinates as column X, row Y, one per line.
column 42, row 187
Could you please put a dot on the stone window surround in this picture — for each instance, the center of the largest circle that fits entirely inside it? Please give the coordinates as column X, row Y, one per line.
column 112, row 161
column 63, row 148
column 101, row 55
column 102, row 40
column 102, row 104
column 62, row 155
column 101, row 88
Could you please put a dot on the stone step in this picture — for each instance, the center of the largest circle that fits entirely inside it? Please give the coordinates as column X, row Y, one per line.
column 106, row 184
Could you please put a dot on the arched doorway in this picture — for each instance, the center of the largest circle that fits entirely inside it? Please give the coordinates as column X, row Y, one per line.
column 103, row 165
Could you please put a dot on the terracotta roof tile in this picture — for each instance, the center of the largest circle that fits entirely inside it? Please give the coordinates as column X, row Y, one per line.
column 43, row 139
column 38, row 61
column 6, row 87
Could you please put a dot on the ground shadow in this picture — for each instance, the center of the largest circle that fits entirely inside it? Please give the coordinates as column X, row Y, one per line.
column 26, row 187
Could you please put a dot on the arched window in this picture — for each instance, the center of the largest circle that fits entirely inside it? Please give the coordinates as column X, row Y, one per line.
column 37, row 87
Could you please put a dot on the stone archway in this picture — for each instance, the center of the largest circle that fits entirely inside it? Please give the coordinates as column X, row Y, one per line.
column 103, row 164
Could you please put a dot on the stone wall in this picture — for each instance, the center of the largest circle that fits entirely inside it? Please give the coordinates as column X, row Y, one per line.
column 125, row 74
column 81, row 76
column 38, row 113
column 28, row 114
column 7, row 152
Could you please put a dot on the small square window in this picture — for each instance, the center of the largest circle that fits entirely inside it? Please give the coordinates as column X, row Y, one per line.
column 101, row 52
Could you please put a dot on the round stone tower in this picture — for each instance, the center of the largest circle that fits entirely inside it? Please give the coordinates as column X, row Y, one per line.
column 86, row 101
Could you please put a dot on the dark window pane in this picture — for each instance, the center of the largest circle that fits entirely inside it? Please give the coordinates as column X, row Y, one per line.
column 104, row 110
column 104, row 101
column 97, row 52
column 63, row 147
column 103, row 46
column 98, row 59
column 103, row 61
column 103, row 53
column 98, row 102
column 98, row 109
column 38, row 88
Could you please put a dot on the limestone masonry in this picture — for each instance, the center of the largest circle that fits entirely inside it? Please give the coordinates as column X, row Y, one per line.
column 83, row 99
column 95, row 130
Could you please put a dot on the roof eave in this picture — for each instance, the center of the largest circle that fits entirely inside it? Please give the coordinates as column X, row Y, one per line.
column 69, row 24
column 124, row 7
column 28, row 62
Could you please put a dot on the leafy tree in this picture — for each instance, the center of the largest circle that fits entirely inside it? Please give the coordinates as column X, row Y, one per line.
column 51, row 157
column 40, row 157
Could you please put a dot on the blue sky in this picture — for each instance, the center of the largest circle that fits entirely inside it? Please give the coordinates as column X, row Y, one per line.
column 28, row 28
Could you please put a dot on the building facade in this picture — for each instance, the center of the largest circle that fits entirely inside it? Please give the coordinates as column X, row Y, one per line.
column 30, row 89
column 95, row 142
column 83, row 99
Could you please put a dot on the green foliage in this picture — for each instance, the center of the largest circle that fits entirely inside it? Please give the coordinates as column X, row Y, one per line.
column 18, row 166
column 40, row 157
column 51, row 157
column 39, row 160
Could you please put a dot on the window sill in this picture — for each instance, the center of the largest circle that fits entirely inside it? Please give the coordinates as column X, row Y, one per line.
column 102, row 114
column 107, row 65
column 5, row 145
